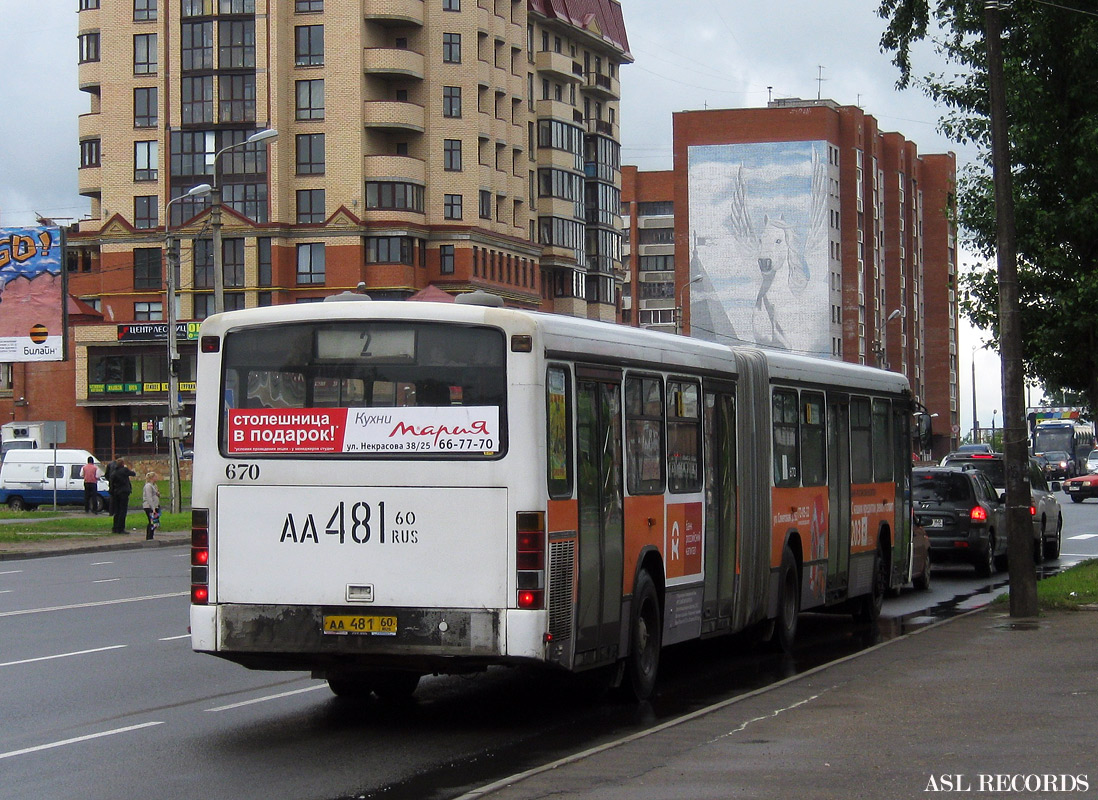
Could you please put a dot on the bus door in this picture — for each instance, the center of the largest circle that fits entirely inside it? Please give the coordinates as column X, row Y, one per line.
column 721, row 545
column 601, row 519
column 838, row 468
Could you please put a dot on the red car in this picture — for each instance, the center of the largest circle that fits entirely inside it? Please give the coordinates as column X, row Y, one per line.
column 1079, row 489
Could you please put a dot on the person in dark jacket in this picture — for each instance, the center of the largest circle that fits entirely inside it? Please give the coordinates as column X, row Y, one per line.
column 120, row 489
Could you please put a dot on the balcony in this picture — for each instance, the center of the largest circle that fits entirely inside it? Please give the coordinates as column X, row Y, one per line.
column 394, row 168
column 555, row 109
column 603, row 127
column 603, row 86
column 394, row 62
column 394, row 115
column 89, row 126
column 89, row 181
column 395, row 13
column 559, row 66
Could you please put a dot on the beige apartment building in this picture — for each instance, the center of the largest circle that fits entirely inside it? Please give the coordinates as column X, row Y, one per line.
column 455, row 144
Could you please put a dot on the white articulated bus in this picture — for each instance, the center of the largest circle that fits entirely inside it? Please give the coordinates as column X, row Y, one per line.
column 384, row 490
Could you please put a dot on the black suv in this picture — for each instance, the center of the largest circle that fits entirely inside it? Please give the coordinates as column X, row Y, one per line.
column 962, row 515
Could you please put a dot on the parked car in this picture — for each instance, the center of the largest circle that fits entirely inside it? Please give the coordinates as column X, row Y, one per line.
column 1092, row 462
column 920, row 557
column 963, row 516
column 1060, row 465
column 1079, row 489
column 968, row 449
column 30, row 478
column 1048, row 521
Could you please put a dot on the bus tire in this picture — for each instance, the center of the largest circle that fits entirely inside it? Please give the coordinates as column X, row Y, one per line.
column 350, row 686
column 789, row 604
column 868, row 609
column 645, row 639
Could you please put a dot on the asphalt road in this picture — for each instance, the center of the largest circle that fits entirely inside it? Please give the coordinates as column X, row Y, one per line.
column 103, row 698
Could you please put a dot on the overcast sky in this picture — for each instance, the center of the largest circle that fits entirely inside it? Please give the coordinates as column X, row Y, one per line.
column 690, row 54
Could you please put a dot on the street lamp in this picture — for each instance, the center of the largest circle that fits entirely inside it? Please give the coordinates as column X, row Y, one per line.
column 174, row 425
column 215, row 215
column 679, row 311
column 878, row 344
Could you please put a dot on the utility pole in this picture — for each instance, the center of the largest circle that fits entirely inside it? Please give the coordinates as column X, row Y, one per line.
column 1023, row 573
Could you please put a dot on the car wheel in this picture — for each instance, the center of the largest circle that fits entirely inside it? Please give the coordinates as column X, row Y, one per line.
column 1039, row 544
column 1052, row 547
column 97, row 504
column 16, row 503
column 1076, row 498
column 985, row 567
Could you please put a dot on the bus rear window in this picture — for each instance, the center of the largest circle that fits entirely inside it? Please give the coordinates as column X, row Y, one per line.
column 364, row 388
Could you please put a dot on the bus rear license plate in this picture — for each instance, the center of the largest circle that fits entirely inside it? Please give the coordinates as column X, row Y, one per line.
column 360, row 624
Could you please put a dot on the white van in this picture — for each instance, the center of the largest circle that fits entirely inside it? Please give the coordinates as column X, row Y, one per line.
column 28, row 479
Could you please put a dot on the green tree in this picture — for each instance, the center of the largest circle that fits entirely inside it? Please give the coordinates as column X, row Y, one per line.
column 1050, row 56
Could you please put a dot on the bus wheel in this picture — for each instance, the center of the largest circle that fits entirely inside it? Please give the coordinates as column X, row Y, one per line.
column 646, row 639
column 789, row 604
column 394, row 686
column 350, row 686
column 869, row 607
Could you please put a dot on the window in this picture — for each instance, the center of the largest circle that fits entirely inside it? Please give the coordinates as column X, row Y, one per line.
column 196, row 45
column 203, row 264
column 89, row 47
column 446, row 259
column 144, row 107
column 452, row 206
column 232, row 262
column 249, row 199
column 89, row 153
column 145, row 214
column 813, row 440
column 310, row 99
column 301, row 6
column 85, row 5
column 143, row 10
column 310, row 263
column 644, row 434
column 882, row 442
column 147, row 312
column 451, row 150
column 310, row 206
column 861, row 449
column 451, row 101
column 394, row 196
column 558, row 394
column 146, row 268
column 144, row 54
column 197, row 8
column 236, row 44
column 451, row 48
column 389, row 250
column 653, row 209
column 451, row 5
column 310, row 154
column 145, row 156
column 263, row 245
column 683, row 437
column 187, row 207
column 236, row 6
column 309, row 45
column 237, row 98
column 786, row 458
column 485, row 204
column 196, row 99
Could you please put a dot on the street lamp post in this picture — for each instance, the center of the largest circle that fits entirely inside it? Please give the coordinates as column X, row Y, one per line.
column 215, row 215
column 679, row 310
column 878, row 343
column 173, row 424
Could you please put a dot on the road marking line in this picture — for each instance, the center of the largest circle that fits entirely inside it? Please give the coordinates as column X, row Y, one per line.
column 173, row 638
column 1083, row 536
column 107, row 580
column 100, row 563
column 268, row 697
column 92, row 605
column 11, row 572
column 62, row 655
column 51, row 745
column 6, row 591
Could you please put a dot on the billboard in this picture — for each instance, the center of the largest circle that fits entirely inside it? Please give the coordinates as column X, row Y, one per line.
column 759, row 244
column 32, row 293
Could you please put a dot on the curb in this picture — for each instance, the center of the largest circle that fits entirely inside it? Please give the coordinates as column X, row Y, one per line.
column 137, row 544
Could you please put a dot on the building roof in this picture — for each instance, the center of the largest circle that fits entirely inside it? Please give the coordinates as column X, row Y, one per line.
column 600, row 18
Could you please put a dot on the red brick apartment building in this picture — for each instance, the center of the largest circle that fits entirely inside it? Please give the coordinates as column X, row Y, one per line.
column 803, row 226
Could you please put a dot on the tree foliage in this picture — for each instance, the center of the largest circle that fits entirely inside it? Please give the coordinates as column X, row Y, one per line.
column 1050, row 57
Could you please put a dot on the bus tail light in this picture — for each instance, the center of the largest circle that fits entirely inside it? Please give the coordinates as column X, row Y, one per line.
column 530, row 560
column 200, row 556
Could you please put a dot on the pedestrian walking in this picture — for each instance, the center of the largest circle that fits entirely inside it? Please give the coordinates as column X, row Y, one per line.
column 121, row 488
column 108, row 472
column 150, row 501
column 90, row 473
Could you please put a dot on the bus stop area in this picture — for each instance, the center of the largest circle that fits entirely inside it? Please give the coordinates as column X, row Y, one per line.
column 980, row 704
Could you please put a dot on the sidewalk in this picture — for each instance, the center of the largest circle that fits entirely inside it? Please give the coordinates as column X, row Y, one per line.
column 91, row 543
column 982, row 705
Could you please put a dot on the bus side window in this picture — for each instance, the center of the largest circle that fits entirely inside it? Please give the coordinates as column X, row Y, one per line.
column 786, row 457
column 683, row 437
column 558, row 414
column 861, row 441
column 882, row 442
column 644, row 434
column 813, row 440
